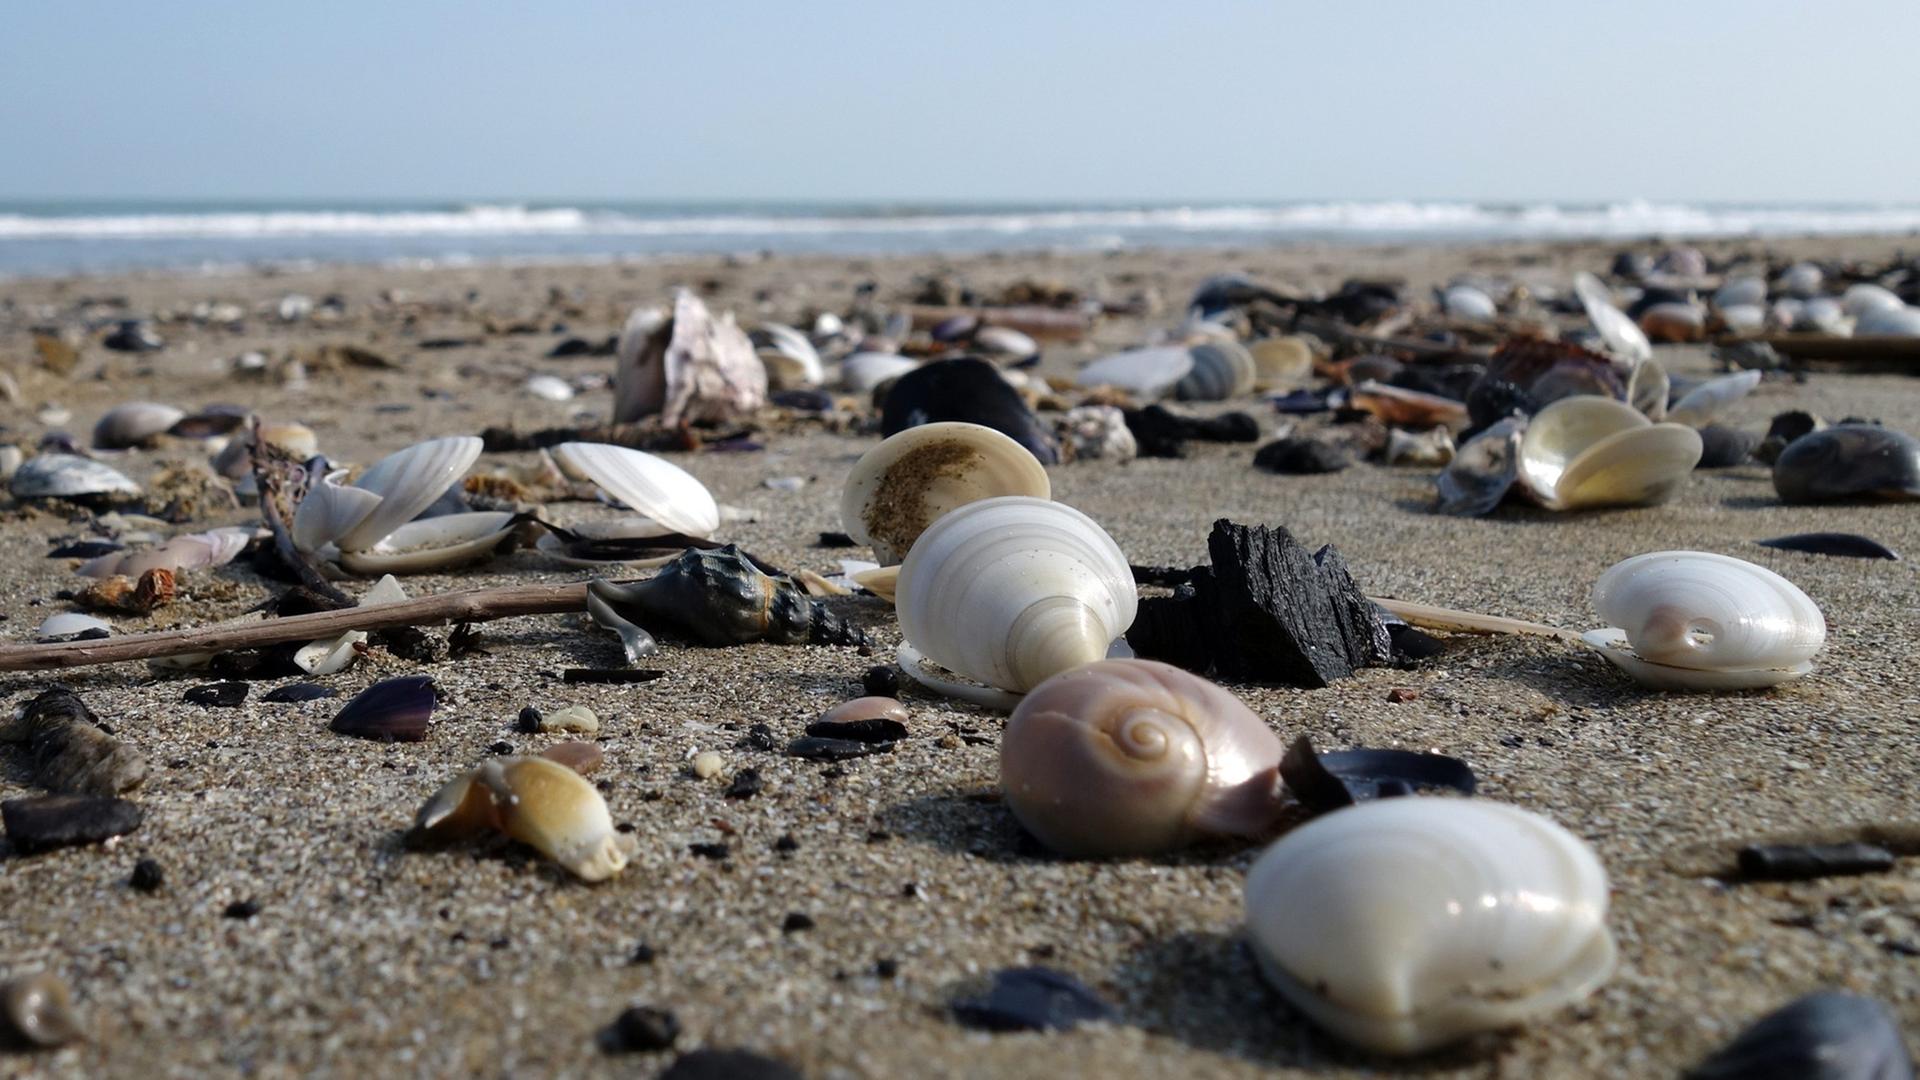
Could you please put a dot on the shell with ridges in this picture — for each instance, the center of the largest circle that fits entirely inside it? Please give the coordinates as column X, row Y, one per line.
column 913, row 477
column 1221, row 370
column 1589, row 451
column 408, row 481
column 329, row 510
column 433, row 543
column 650, row 486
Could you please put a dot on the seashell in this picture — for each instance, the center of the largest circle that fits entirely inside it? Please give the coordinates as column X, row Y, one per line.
column 329, row 655
column 434, row 543
column 329, row 510
column 38, row 1010
column 634, row 642
column 1281, row 363
column 72, row 752
column 1483, row 470
column 791, row 361
column 548, row 388
column 1097, row 433
column 881, row 581
column 407, row 481
column 575, row 719
column 1673, row 323
column 1004, row 343
column 66, row 476
column 1220, row 370
column 1725, row 447
column 720, row 597
column 1740, row 292
column 1690, row 620
column 1399, row 407
column 1901, row 321
column 690, row 369
column 1468, row 304
column 1802, row 280
column 1433, row 447
column 1698, row 406
column 1864, row 297
column 907, row 482
column 1823, row 1036
column 1136, row 757
column 1849, row 462
column 1404, row 924
column 652, row 487
column 1647, row 390
column 1583, row 452
column 392, row 710
column 541, row 803
column 1011, row 590
column 11, row 458
column 1744, row 318
column 967, row 390
column 1147, row 374
column 862, row 372
column 71, row 626
column 639, row 386
column 1623, row 338
column 193, row 551
column 134, row 424
column 582, row 757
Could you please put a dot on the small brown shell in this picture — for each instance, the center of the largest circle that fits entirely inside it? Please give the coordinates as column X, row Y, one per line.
column 39, row 1009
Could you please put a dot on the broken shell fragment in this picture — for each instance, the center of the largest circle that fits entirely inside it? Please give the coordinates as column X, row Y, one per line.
column 1483, row 470
column 582, row 757
column 193, row 551
column 1698, row 406
column 1585, row 451
column 72, row 626
column 907, row 482
column 72, row 752
column 38, row 1009
column 690, row 369
column 574, row 719
column 1864, row 462
column 1405, row 924
column 537, row 801
column 392, row 710
column 719, row 597
column 407, row 482
column 1822, row 1036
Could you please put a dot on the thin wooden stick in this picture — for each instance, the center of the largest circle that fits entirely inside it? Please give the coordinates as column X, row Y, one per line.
column 1467, row 622
column 471, row 605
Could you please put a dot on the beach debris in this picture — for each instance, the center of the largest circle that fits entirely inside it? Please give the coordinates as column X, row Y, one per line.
column 391, row 710
column 1691, row 620
column 126, row 595
column 641, row 1029
column 72, row 478
column 1161, row 432
column 548, row 388
column 1299, row 455
column 882, row 681
column 1888, row 322
column 1265, row 611
column 44, row 822
column 369, row 527
column 689, row 369
column 1220, row 370
column 1802, row 862
column 541, row 803
column 634, row 642
column 1845, row 545
column 297, row 692
column 903, row 485
column 573, row 719
column 1584, row 452
column 1468, row 304
column 723, row 1064
column 1698, row 406
column 614, row 676
column 71, row 626
column 825, row 748
column 1146, row 374
column 707, row 764
column 136, row 423
column 148, row 876
column 220, row 695
column 1673, row 322
column 1329, row 781
column 1483, row 470
column 1621, row 335
column 1136, row 757
column 71, row 752
column 1281, row 363
column 1405, row 924
column 968, row 390
column 865, row 372
column 192, row 551
column 1033, row 999
column 1397, row 406
column 669, row 505
column 864, row 720
column 329, row 655
column 1848, row 462
column 1725, row 448
column 1785, row 428
column 134, row 336
column 719, row 597
column 791, row 360
column 1096, row 433
column 1011, row 590
column 1826, row 1035
column 1429, row 448
column 37, row 1010
column 582, row 757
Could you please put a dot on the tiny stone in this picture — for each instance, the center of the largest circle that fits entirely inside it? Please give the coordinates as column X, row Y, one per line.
column 1036, row 999
column 709, row 851
column 643, row 953
column 795, row 922
column 223, row 695
column 642, row 1029
column 707, row 764
column 147, row 876
column 886, row 967
column 529, row 720
column 746, row 784
column 815, row 748
column 1400, row 695
column 881, row 680
column 574, row 719
column 44, row 822
column 502, row 747
column 786, row 843
column 242, row 909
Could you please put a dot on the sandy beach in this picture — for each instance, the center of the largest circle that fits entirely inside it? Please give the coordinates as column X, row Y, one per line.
column 366, row 958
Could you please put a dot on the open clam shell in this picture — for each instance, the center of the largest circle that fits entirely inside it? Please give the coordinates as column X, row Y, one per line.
column 330, row 510
column 791, row 361
column 652, row 487
column 907, row 482
column 407, row 481
column 863, row 371
column 1589, row 451
column 539, row 802
column 434, row 543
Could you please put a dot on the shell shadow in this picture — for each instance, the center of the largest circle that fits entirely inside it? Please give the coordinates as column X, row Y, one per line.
column 1752, row 502
column 980, row 824
column 1579, row 680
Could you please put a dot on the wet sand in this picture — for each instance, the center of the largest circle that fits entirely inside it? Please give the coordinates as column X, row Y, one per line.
column 366, row 958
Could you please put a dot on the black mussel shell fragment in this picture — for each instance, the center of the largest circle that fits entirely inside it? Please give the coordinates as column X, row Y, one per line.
column 300, row 691
column 641, row 1029
column 1299, row 456
column 392, row 710
column 711, row 1064
column 1725, row 447
column 803, row 400
column 85, row 549
column 1482, row 471
column 720, row 597
column 45, row 822
column 1850, row 462
column 1033, row 999
column 1804, row 862
column 971, row 390
column 1823, row 1036
column 220, row 695
column 72, row 752
column 1324, row 782
column 823, row 748
column 1411, row 645
column 614, row 676
column 1845, row 545
column 1785, row 428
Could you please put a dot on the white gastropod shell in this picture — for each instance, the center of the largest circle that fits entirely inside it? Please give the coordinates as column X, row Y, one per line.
column 1587, row 451
column 1404, row 924
column 1691, row 620
column 1011, row 590
column 1135, row 757
column 913, row 477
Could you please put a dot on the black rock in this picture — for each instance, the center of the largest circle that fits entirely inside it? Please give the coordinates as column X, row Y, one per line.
column 1324, row 782
column 1033, row 999
column 803, row 400
column 134, row 336
column 300, row 691
column 970, row 390
column 528, row 721
column 873, row 730
column 1725, row 447
column 1161, row 432
column 1803, row 862
column 728, row 1065
column 815, row 748
column 1822, row 1036
column 147, row 876
column 45, row 822
column 881, row 680
column 1492, row 400
column 1845, row 545
column 242, row 909
column 710, row 851
column 795, row 922
column 641, row 1029
column 1785, row 428
column 835, row 540
column 746, row 784
column 223, row 695
column 1266, row 611
column 610, row 675
column 1301, row 457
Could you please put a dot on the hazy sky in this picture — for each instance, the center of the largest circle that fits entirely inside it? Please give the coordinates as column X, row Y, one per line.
column 1747, row 100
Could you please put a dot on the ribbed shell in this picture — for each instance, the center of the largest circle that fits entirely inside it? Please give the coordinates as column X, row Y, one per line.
column 329, row 510
column 912, row 478
column 650, row 486
column 408, row 481
column 1221, row 370
column 1148, row 374
column 1694, row 609
column 1587, row 451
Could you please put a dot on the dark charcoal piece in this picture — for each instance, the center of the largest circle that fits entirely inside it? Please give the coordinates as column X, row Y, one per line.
column 1161, row 432
column 1265, row 612
column 300, row 691
column 835, row 540
column 1301, row 457
column 220, row 695
column 1725, row 447
column 85, row 549
column 610, row 675
column 393, row 710
column 1845, row 545
column 45, row 822
column 1033, row 999
column 728, row 1065
column 147, row 876
column 719, row 597
column 746, row 784
column 246, row 665
column 641, row 1029
column 1803, row 862
column 72, row 753
column 815, row 748
column 881, row 680
column 965, row 389
column 1823, row 1036
column 1324, row 782
column 876, row 730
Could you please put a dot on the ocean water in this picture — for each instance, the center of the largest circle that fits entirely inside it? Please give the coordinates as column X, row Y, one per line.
column 44, row 238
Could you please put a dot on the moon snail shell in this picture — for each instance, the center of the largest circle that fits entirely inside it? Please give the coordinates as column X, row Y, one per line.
column 1136, row 757
column 1691, row 620
column 1405, row 924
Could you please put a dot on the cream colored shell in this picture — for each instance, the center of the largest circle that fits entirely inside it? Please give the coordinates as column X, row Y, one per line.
column 907, row 482
column 1588, row 451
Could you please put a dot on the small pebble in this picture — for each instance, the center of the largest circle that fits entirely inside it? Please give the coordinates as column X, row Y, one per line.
column 795, row 922
column 300, row 691
column 147, row 876
column 573, row 719
column 746, row 784
column 881, row 680
column 815, row 748
column 1400, row 695
column 886, row 967
column 223, row 695
column 786, row 844
column 502, row 747
column 1032, row 999
column 242, row 909
column 642, row 1029
column 1802, row 862
column 529, row 721
column 707, row 764
column 710, row 851
column 643, row 953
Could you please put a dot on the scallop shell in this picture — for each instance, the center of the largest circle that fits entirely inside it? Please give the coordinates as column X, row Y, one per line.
column 330, row 509
column 538, row 802
column 1589, row 451
column 1408, row 923
column 863, row 371
column 1220, row 370
column 907, row 482
column 408, row 481
column 1011, row 590
column 1148, row 374
column 791, row 361
column 652, row 487
column 434, row 543
column 1624, row 338
column 66, row 476
column 134, row 423
column 1698, row 406
column 1691, row 620
column 1135, row 757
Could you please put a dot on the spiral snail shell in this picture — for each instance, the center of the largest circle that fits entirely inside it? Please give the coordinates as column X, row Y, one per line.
column 1134, row 757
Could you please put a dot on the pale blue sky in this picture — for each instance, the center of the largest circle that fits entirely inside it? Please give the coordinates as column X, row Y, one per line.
column 1027, row 100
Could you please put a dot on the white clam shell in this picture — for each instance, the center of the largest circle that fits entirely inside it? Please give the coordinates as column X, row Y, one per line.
column 1405, row 924
column 433, row 543
column 1698, row 406
column 1863, row 297
column 791, row 360
column 1802, row 279
column 68, row 623
column 328, row 655
column 640, row 379
column 1741, row 292
column 1623, row 337
column 134, row 423
column 1699, row 621
column 1004, row 341
column 408, row 481
column 67, row 475
column 329, row 510
column 863, row 371
column 634, row 528
column 650, row 486
column 1648, row 388
column 1744, row 318
column 216, row 547
column 1468, row 304
column 913, row 477
column 1900, row 321
column 1011, row 590
column 1148, row 374
column 549, row 388
column 1588, row 451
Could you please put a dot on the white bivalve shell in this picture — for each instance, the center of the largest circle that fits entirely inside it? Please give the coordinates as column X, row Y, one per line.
column 913, row 477
column 650, row 486
column 407, row 481
column 433, row 543
column 134, row 423
column 1691, row 620
column 1136, row 757
column 1901, row 321
column 1147, row 374
column 863, row 371
column 1011, row 590
column 1699, row 406
column 791, row 361
column 1405, row 924
column 1863, row 297
column 1588, row 451
column 1623, row 337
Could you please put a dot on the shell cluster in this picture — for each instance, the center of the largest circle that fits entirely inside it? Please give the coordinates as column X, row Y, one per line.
column 1691, row 620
